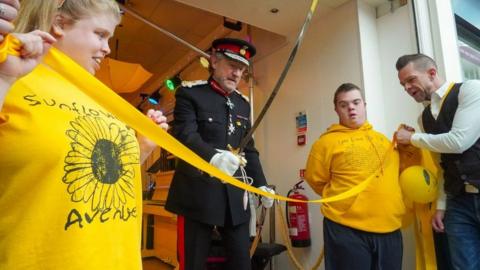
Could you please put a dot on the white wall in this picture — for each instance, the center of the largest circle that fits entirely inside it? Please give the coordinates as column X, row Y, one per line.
column 329, row 56
column 371, row 67
column 349, row 45
column 396, row 37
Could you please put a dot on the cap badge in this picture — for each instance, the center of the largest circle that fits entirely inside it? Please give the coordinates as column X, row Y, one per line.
column 243, row 51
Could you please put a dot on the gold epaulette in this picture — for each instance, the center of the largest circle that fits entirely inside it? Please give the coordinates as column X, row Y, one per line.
column 190, row 84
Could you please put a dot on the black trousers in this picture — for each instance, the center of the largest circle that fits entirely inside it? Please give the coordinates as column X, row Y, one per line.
column 347, row 248
column 194, row 239
column 441, row 251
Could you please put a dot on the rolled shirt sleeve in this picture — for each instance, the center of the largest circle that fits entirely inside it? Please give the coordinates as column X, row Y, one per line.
column 465, row 127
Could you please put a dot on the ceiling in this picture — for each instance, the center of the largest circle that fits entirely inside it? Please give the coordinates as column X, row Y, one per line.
column 290, row 15
column 198, row 22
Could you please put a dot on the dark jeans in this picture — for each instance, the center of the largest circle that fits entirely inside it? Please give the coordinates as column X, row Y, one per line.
column 347, row 248
column 462, row 224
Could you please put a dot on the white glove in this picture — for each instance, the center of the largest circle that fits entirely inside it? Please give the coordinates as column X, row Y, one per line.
column 226, row 161
column 267, row 202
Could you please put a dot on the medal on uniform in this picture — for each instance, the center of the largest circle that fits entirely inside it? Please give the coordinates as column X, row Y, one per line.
column 230, row 104
column 231, row 126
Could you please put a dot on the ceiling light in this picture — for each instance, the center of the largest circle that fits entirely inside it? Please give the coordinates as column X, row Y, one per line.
column 274, row 10
column 154, row 98
column 173, row 83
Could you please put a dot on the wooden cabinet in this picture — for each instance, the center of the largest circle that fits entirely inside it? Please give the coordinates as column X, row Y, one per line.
column 159, row 237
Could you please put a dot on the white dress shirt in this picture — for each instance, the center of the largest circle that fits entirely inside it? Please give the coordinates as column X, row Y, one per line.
column 466, row 122
column 465, row 127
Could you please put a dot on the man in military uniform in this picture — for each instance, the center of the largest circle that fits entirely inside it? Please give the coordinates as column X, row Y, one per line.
column 210, row 117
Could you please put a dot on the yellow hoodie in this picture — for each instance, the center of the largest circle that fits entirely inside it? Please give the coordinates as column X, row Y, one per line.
column 341, row 159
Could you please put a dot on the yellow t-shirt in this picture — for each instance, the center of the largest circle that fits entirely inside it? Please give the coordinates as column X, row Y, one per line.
column 343, row 158
column 70, row 186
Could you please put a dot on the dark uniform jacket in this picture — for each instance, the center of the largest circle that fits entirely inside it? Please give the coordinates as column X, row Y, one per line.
column 458, row 168
column 202, row 121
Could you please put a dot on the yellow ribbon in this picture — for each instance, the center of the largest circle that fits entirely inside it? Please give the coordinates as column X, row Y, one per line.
column 9, row 46
column 313, row 6
column 135, row 119
column 446, row 94
column 128, row 114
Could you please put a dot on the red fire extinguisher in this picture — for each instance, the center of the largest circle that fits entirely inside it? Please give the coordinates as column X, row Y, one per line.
column 297, row 216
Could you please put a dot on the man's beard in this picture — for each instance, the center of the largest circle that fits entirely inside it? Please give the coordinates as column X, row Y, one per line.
column 228, row 85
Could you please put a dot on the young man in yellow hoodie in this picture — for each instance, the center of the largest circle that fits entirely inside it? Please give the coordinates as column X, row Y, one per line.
column 363, row 231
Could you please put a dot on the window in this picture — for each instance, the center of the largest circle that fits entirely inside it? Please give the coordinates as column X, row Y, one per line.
column 468, row 24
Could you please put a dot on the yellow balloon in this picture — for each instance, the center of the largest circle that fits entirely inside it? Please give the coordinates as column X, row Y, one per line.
column 418, row 184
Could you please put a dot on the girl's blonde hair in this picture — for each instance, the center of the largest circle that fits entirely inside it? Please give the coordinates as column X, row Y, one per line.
column 35, row 14
column 79, row 9
column 40, row 14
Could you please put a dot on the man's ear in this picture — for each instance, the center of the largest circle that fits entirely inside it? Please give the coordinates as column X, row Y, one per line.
column 432, row 73
column 213, row 61
column 58, row 26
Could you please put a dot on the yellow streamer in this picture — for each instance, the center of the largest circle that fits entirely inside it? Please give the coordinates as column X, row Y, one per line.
column 135, row 119
column 9, row 46
column 313, row 6
column 288, row 244
column 128, row 114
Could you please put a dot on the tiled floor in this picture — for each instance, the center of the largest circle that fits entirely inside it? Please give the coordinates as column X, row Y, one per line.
column 155, row 264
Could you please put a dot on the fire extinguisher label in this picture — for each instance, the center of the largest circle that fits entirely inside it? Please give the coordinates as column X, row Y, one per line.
column 293, row 231
column 292, row 209
column 302, row 223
